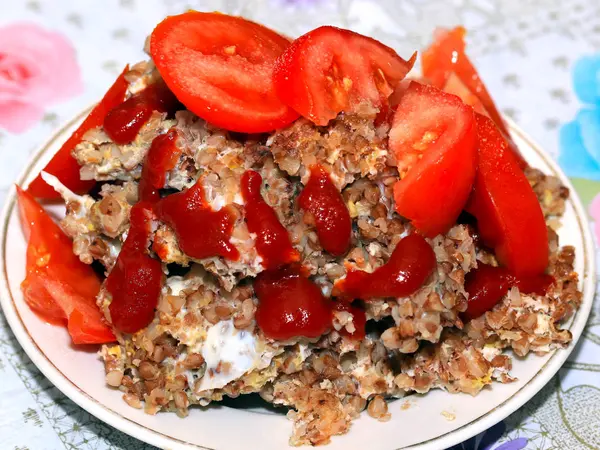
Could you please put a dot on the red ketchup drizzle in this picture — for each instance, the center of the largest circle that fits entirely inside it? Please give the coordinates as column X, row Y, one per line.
column 411, row 263
column 201, row 231
column 162, row 157
column 321, row 198
column 290, row 305
column 272, row 240
column 136, row 279
column 123, row 122
column 487, row 285
column 359, row 319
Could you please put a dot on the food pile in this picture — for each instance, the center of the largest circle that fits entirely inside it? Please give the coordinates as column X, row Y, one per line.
column 296, row 219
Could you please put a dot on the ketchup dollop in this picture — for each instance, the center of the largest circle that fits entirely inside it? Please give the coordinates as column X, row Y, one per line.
column 410, row 264
column 135, row 281
column 290, row 304
column 332, row 219
column 162, row 157
column 123, row 122
column 359, row 319
column 272, row 240
column 201, row 231
column 487, row 285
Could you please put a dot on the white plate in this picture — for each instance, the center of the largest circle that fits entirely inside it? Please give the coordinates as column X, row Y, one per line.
column 79, row 373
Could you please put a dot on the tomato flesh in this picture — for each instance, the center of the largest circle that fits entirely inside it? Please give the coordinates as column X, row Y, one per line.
column 509, row 217
column 329, row 70
column 85, row 322
column 446, row 65
column 39, row 299
column 434, row 140
column 221, row 68
column 63, row 165
column 58, row 286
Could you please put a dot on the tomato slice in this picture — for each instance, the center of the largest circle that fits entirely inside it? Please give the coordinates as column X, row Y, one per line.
column 434, row 140
column 63, row 165
column 329, row 70
column 446, row 65
column 85, row 322
column 508, row 213
column 221, row 68
column 40, row 301
column 58, row 286
column 455, row 86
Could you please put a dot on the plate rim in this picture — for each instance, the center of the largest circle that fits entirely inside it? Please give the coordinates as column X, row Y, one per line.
column 153, row 437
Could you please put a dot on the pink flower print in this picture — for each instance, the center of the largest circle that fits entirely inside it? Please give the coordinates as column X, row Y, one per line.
column 37, row 69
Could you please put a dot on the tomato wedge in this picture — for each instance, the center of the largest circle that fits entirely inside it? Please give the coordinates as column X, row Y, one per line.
column 329, row 70
column 455, row 86
column 39, row 299
column 221, row 68
column 63, row 165
column 58, row 286
column 508, row 213
column 446, row 65
column 433, row 138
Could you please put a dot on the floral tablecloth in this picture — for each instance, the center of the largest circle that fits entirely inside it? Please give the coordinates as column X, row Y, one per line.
column 539, row 58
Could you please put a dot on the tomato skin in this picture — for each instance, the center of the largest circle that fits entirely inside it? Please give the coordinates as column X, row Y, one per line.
column 85, row 321
column 439, row 179
column 455, row 86
column 58, row 286
column 63, row 165
column 49, row 248
column 40, row 301
column 220, row 67
column 446, row 65
column 508, row 213
column 329, row 70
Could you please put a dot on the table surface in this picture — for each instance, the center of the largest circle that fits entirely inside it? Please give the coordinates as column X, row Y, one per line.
column 524, row 50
